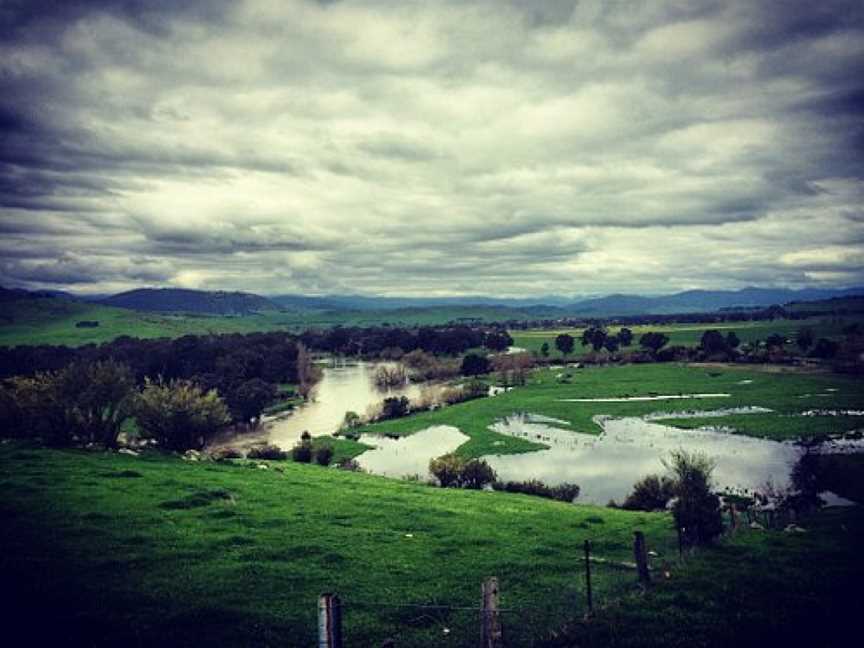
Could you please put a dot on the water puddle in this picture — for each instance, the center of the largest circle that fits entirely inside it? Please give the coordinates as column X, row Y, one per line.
column 627, row 399
column 409, row 456
column 693, row 414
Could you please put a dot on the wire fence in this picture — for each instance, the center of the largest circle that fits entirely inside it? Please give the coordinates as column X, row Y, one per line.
column 602, row 574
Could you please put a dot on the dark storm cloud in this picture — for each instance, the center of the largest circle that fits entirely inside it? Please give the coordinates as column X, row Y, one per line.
column 451, row 147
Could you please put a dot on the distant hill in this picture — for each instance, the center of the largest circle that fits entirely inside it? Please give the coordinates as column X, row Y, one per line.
column 373, row 303
column 191, row 301
column 698, row 301
column 11, row 294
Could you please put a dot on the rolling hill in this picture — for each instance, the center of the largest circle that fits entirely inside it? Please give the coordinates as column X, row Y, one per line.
column 191, row 301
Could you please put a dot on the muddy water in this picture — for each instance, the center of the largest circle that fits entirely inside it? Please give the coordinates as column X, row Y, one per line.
column 606, row 466
column 409, row 456
column 344, row 387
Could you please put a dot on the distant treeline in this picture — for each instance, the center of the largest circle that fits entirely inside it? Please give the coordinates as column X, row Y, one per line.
column 271, row 356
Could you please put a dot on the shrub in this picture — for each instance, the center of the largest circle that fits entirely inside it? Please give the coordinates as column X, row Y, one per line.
column 651, row 493
column 302, row 453
column 223, row 454
column 324, row 455
column 388, row 377
column 474, row 365
column 476, row 474
column 566, row 492
column 395, row 407
column 267, row 452
column 696, row 509
column 447, row 470
column 179, row 414
column 349, row 464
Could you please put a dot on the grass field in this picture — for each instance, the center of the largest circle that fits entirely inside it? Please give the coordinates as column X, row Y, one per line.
column 146, row 550
column 119, row 550
column 52, row 321
column 786, row 393
column 690, row 334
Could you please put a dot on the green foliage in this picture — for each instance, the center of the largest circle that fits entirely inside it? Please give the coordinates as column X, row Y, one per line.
column 566, row 492
column 324, row 455
column 453, row 471
column 653, row 341
column 302, row 452
column 696, row 509
column 544, row 349
column 474, row 364
column 179, row 414
column 87, row 402
column 595, row 336
column 651, row 493
column 267, row 451
column 395, row 407
column 565, row 343
column 250, row 398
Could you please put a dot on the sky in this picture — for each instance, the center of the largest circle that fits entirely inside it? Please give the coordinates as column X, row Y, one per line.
column 496, row 147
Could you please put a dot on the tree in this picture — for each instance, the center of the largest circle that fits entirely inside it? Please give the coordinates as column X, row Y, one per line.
column 544, row 349
column 713, row 342
column 775, row 340
column 653, row 341
column 595, row 336
column 395, row 407
column 565, row 343
column 474, row 365
column 804, row 339
column 497, row 340
column 732, row 340
column 696, row 509
column 611, row 344
column 97, row 397
column 179, row 414
column 250, row 398
column 625, row 337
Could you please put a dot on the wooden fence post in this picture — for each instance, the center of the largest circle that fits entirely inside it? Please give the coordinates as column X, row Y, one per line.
column 640, row 552
column 329, row 621
column 491, row 631
column 588, row 576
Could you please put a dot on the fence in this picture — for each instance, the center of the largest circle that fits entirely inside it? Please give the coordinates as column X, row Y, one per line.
column 495, row 620
column 488, row 622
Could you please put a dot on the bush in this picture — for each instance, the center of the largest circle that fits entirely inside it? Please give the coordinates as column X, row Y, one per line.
column 452, row 471
column 302, row 453
column 223, row 454
column 267, row 452
column 324, row 455
column 651, row 493
column 696, row 509
column 447, row 470
column 566, row 492
column 476, row 474
column 179, row 414
column 394, row 407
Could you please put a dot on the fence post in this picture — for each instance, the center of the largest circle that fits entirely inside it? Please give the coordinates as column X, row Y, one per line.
column 491, row 632
column 641, row 554
column 588, row 576
column 733, row 513
column 329, row 621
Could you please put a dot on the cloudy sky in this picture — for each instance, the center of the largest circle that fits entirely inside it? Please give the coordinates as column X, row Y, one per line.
column 503, row 147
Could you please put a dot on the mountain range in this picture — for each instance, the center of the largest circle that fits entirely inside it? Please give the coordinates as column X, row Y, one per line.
column 547, row 306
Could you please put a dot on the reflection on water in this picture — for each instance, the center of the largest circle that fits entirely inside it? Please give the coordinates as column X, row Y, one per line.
column 409, row 456
column 606, row 466
column 344, row 387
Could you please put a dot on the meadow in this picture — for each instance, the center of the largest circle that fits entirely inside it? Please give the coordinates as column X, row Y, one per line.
column 155, row 550
column 52, row 321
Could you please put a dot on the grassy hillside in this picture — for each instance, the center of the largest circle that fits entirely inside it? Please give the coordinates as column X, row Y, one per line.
column 119, row 550
column 144, row 550
column 52, row 321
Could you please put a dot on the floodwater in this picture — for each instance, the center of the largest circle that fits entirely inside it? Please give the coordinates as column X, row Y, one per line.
column 607, row 466
column 344, row 387
column 409, row 456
